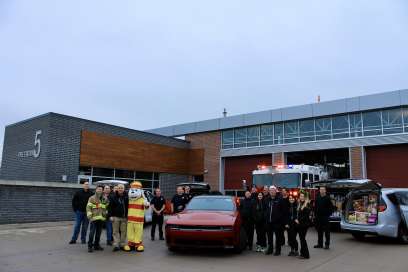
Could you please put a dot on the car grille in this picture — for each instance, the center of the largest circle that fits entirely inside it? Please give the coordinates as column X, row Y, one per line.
column 199, row 228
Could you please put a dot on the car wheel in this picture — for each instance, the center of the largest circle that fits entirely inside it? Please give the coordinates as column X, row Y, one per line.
column 242, row 242
column 403, row 234
column 358, row 235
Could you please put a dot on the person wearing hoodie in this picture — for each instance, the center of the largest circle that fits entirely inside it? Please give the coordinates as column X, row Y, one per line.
column 291, row 226
column 260, row 212
column 96, row 211
column 247, row 211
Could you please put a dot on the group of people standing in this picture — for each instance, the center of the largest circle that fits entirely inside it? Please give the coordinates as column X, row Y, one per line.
column 271, row 213
column 109, row 208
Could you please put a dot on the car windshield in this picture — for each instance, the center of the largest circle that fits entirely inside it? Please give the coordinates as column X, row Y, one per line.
column 211, row 204
column 287, row 180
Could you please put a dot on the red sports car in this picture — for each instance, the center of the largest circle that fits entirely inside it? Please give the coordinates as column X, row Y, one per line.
column 208, row 221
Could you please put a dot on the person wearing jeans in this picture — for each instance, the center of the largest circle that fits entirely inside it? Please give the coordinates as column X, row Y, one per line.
column 108, row 224
column 79, row 202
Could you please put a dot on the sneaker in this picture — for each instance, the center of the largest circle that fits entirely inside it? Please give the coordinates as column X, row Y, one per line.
column 303, row 257
column 83, row 242
column 161, row 238
column 90, row 250
column 267, row 251
column 152, row 238
column 115, row 249
column 296, row 253
column 258, row 248
column 109, row 243
column 318, row 246
column 292, row 253
column 326, row 247
column 99, row 248
column 72, row 242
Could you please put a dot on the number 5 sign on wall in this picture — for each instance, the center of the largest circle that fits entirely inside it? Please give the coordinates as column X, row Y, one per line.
column 37, row 144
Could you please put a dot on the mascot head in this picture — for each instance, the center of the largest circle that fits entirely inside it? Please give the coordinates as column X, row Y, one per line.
column 135, row 190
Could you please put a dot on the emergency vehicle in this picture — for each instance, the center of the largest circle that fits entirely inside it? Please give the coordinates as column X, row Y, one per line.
column 292, row 177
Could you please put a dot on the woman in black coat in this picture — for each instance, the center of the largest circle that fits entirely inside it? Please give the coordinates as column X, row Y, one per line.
column 291, row 226
column 302, row 224
column 260, row 213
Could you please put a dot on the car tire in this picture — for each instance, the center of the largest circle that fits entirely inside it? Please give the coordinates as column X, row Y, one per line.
column 403, row 234
column 242, row 242
column 358, row 235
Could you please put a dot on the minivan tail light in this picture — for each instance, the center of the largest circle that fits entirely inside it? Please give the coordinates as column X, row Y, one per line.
column 382, row 207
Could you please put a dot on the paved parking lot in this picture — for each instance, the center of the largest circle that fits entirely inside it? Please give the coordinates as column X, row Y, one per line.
column 44, row 248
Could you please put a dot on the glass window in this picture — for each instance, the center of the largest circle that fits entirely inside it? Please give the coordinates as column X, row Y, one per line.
column 323, row 128
column 85, row 170
column 392, row 121
column 147, row 184
column 253, row 136
column 156, row 184
column 119, row 173
column 228, row 139
column 266, row 134
column 156, row 176
column 211, row 204
column 144, row 175
column 405, row 111
column 356, row 125
column 340, row 125
column 103, row 172
column 306, row 128
column 278, row 134
column 292, row 132
column 240, row 137
column 372, row 123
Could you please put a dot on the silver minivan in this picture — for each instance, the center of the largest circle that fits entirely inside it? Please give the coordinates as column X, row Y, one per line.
column 370, row 209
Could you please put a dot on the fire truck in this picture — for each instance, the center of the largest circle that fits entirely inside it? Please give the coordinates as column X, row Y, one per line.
column 291, row 177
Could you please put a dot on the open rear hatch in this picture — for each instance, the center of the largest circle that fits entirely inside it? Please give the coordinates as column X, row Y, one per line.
column 400, row 200
column 363, row 202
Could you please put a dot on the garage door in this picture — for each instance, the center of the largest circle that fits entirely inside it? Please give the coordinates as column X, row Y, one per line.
column 388, row 165
column 240, row 168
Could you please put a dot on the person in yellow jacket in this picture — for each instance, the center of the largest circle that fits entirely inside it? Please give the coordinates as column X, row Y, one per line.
column 136, row 212
column 96, row 211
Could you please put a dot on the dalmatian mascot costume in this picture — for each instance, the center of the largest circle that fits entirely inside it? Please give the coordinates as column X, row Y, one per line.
column 136, row 212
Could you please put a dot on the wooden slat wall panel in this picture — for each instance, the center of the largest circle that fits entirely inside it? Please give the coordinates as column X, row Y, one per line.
column 101, row 150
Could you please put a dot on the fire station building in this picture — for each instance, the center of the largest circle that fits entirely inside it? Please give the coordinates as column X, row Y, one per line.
column 358, row 137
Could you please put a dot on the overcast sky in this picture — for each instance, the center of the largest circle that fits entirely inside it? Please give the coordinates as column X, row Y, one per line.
column 147, row 64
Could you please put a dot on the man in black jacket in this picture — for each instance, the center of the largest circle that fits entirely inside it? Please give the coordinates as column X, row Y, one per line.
column 118, row 211
column 79, row 202
column 275, row 218
column 322, row 211
column 158, row 205
column 247, row 210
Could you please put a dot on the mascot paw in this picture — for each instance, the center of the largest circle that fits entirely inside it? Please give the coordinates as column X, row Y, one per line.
column 126, row 248
column 140, row 249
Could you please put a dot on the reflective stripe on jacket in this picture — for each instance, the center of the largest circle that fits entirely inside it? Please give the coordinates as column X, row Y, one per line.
column 97, row 209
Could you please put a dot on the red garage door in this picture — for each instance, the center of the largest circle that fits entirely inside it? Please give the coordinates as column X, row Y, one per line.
column 239, row 168
column 388, row 165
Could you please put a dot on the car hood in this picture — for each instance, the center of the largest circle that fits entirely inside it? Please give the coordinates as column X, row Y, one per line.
column 206, row 218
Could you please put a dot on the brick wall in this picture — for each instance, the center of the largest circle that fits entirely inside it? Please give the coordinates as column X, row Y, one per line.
column 60, row 146
column 168, row 183
column 28, row 204
column 211, row 143
column 356, row 162
column 278, row 158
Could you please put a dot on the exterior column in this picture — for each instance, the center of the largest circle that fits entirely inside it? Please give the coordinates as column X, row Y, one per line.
column 357, row 162
column 278, row 158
